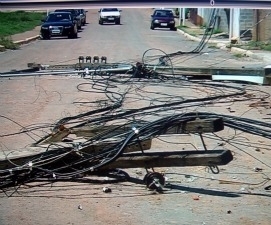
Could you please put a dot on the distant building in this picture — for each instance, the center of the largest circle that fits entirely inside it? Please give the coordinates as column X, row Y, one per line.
column 243, row 19
column 262, row 28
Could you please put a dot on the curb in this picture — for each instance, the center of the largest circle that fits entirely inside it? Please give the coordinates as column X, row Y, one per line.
column 27, row 40
column 193, row 38
column 241, row 51
column 21, row 42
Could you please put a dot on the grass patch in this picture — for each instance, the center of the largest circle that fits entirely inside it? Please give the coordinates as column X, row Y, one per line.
column 182, row 27
column 239, row 55
column 213, row 46
column 198, row 31
column 217, row 31
column 18, row 22
column 257, row 45
column 8, row 43
column 191, row 31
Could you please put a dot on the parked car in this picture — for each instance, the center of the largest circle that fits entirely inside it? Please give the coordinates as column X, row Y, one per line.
column 163, row 18
column 83, row 14
column 59, row 24
column 76, row 15
column 109, row 15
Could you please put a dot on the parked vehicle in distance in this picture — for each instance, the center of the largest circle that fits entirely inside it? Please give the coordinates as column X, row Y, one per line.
column 76, row 15
column 59, row 24
column 109, row 15
column 163, row 18
column 83, row 14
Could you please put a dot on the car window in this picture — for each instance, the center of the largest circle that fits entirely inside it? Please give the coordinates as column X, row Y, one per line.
column 163, row 13
column 110, row 10
column 58, row 17
column 67, row 10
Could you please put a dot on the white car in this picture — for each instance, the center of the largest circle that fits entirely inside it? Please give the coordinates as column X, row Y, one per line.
column 109, row 15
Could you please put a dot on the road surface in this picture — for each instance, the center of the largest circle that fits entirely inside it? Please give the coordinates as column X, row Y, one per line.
column 194, row 195
column 119, row 43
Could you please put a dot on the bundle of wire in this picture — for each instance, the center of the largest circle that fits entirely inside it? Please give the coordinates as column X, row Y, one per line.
column 60, row 162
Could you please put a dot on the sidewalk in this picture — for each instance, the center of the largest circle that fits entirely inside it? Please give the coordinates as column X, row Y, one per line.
column 223, row 43
column 24, row 38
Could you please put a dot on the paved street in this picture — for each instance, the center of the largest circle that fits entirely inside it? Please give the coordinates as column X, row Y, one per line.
column 125, row 42
column 30, row 106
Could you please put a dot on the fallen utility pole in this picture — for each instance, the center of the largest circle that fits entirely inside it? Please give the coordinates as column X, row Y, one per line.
column 197, row 126
column 86, row 66
column 253, row 75
column 172, row 159
column 79, row 157
column 184, row 127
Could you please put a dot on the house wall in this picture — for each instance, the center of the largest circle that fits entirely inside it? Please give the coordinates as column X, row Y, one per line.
column 222, row 20
column 246, row 19
column 262, row 32
column 194, row 17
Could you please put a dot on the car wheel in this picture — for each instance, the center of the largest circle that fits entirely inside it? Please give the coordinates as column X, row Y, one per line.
column 100, row 22
column 45, row 37
column 173, row 28
column 74, row 36
column 118, row 22
column 152, row 27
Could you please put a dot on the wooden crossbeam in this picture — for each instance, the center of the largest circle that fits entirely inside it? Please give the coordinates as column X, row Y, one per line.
column 172, row 159
column 183, row 127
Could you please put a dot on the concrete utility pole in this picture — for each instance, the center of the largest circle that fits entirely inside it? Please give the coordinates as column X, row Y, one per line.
column 183, row 16
column 180, row 16
column 234, row 23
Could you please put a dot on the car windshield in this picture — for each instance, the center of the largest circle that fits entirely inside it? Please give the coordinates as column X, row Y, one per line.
column 73, row 11
column 55, row 17
column 110, row 10
column 164, row 13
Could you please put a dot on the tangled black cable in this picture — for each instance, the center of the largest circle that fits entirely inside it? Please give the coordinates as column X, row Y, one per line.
column 70, row 161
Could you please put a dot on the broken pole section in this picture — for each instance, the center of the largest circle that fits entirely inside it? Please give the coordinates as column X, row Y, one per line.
column 171, row 159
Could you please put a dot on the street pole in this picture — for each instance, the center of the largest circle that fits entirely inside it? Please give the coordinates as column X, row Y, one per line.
column 180, row 16
column 236, row 22
column 183, row 15
column 234, row 31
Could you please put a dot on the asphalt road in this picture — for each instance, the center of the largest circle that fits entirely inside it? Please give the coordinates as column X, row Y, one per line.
column 119, row 43
column 194, row 195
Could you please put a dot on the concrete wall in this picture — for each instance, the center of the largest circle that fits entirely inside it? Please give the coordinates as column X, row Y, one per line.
column 246, row 19
column 246, row 22
column 222, row 23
